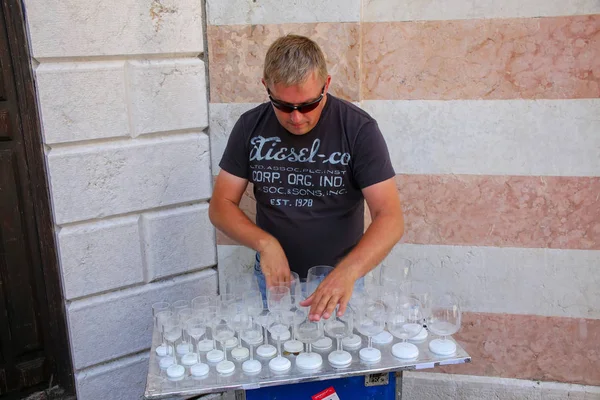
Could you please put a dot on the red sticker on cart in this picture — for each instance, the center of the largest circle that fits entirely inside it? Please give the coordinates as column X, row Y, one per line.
column 327, row 394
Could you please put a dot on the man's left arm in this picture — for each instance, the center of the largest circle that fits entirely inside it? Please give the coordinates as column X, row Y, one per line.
column 385, row 231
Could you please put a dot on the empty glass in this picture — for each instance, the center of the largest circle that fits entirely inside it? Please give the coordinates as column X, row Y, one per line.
column 252, row 335
column 405, row 321
column 279, row 330
column 340, row 327
column 196, row 328
column 224, row 332
column 393, row 274
column 422, row 291
column 279, row 298
column 308, row 332
column 163, row 350
column 184, row 347
column 265, row 350
column 172, row 332
column 239, row 322
column 213, row 317
column 445, row 321
column 294, row 317
column 370, row 321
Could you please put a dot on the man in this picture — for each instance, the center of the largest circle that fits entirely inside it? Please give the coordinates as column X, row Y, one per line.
column 313, row 160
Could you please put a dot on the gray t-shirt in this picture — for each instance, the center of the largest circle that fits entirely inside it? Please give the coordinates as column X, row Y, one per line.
column 308, row 187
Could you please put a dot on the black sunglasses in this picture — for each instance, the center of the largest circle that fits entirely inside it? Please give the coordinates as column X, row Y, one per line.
column 303, row 108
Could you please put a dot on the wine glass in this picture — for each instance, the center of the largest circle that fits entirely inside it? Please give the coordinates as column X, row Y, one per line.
column 370, row 321
column 279, row 298
column 422, row 291
column 238, row 322
column 279, row 330
column 294, row 317
column 252, row 335
column 445, row 321
column 241, row 283
column 394, row 275
column 163, row 350
column 405, row 321
column 172, row 333
column 265, row 350
column 385, row 296
column 224, row 332
column 229, row 305
column 196, row 328
column 253, row 302
column 184, row 347
column 340, row 327
column 308, row 332
column 159, row 307
column 213, row 316
column 200, row 303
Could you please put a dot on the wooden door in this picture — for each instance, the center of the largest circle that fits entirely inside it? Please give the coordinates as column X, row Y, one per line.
column 27, row 346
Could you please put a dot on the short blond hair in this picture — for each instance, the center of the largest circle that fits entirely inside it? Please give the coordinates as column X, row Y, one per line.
column 291, row 59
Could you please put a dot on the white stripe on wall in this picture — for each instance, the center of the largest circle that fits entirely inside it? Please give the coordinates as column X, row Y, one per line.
column 236, row 12
column 411, row 10
column 491, row 137
column 549, row 282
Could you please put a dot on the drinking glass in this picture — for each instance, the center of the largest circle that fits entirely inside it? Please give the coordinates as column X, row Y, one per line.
column 163, row 350
column 254, row 303
column 184, row 347
column 405, row 321
column 239, row 322
column 308, row 332
column 252, row 335
column 294, row 317
column 279, row 330
column 445, row 321
column 200, row 303
column 279, row 298
column 265, row 350
column 180, row 305
column 340, row 327
column 393, row 274
column 213, row 316
column 196, row 328
column 422, row 291
column 172, row 333
column 159, row 307
column 224, row 332
column 229, row 304
column 241, row 283
column 370, row 321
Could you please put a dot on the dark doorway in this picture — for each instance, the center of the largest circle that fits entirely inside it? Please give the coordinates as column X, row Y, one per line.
column 34, row 350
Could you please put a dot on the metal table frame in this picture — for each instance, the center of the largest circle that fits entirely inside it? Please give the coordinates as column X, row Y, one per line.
column 158, row 387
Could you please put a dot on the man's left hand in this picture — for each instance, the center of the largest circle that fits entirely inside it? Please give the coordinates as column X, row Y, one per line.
column 335, row 289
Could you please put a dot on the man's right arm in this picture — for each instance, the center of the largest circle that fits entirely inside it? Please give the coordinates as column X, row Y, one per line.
column 226, row 215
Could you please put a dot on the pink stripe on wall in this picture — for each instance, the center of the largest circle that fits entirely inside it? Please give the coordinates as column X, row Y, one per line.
column 530, row 347
column 528, row 58
column 237, row 54
column 502, row 211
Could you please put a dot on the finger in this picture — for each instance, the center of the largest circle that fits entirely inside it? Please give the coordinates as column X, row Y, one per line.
column 343, row 306
column 330, row 308
column 321, row 305
column 308, row 301
column 314, row 314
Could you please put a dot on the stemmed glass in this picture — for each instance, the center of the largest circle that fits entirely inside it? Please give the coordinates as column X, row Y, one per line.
column 228, row 307
column 340, row 327
column 279, row 298
column 294, row 317
column 405, row 321
column 224, row 332
column 172, row 333
column 385, row 296
column 308, row 332
column 265, row 350
column 279, row 330
column 163, row 350
column 213, row 316
column 445, row 321
column 239, row 321
column 421, row 291
column 252, row 335
column 196, row 328
column 184, row 347
column 394, row 275
column 370, row 321
column 254, row 303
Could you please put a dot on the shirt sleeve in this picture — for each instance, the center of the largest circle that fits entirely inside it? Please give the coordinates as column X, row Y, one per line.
column 371, row 158
column 235, row 156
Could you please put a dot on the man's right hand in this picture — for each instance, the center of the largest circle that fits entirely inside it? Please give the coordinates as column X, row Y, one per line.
column 274, row 264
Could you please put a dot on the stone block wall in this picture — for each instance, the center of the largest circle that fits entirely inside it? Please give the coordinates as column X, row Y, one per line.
column 123, row 98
